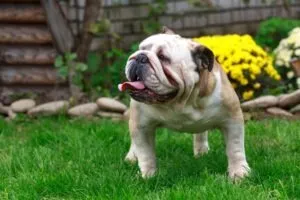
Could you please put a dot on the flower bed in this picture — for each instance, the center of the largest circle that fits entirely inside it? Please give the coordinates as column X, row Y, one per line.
column 287, row 52
column 247, row 65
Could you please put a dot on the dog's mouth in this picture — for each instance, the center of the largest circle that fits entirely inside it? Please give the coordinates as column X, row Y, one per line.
column 131, row 85
column 139, row 91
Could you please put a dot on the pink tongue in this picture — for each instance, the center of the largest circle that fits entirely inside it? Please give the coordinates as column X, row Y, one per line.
column 138, row 85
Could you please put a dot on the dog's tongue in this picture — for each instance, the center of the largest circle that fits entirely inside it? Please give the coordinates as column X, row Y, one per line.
column 138, row 85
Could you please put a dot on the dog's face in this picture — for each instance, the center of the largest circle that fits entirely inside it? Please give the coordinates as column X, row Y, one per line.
column 165, row 67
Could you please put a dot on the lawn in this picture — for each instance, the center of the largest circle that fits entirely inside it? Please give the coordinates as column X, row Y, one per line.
column 61, row 158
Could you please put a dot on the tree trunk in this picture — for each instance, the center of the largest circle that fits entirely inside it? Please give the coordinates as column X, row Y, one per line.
column 91, row 14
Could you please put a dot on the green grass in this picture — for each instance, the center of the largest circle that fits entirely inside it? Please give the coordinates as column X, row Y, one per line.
column 60, row 158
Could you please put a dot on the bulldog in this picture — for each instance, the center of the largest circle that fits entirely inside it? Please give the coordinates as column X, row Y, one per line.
column 176, row 83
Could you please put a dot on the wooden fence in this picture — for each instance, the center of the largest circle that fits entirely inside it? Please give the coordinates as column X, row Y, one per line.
column 223, row 16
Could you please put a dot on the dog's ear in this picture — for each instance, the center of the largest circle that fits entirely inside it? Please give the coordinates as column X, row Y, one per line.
column 203, row 57
column 166, row 30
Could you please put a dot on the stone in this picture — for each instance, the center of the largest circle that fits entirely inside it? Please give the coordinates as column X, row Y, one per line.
column 6, row 110
column 22, row 105
column 109, row 104
column 279, row 112
column 112, row 115
column 2, row 109
column 295, row 109
column 289, row 100
column 11, row 115
column 260, row 102
column 50, row 108
column 86, row 109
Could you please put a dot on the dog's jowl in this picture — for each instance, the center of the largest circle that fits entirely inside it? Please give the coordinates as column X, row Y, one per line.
column 176, row 83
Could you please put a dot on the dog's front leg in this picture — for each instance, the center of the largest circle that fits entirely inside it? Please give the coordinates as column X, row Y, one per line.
column 143, row 144
column 131, row 157
column 234, row 139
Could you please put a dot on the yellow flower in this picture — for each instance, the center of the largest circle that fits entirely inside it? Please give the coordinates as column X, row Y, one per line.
column 242, row 60
column 257, row 85
column 248, row 94
column 277, row 78
column 244, row 81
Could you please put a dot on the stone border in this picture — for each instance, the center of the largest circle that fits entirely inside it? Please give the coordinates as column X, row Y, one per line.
column 104, row 107
column 285, row 106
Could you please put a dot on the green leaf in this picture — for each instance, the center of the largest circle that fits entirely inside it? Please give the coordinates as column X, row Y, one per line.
column 70, row 56
column 93, row 62
column 109, row 54
column 134, row 47
column 63, row 72
column 77, row 80
column 59, row 62
column 101, row 26
column 97, row 79
column 81, row 66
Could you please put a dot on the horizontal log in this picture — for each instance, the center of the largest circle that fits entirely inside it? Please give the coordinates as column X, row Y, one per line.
column 15, row 34
column 20, row 1
column 38, row 75
column 27, row 55
column 22, row 13
column 41, row 94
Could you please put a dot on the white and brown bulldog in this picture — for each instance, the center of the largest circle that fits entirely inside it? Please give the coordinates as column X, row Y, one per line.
column 176, row 83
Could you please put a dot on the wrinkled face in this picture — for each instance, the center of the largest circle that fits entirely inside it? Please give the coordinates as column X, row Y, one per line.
column 165, row 67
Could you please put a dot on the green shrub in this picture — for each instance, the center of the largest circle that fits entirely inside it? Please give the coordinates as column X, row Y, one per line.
column 100, row 75
column 106, row 70
column 271, row 31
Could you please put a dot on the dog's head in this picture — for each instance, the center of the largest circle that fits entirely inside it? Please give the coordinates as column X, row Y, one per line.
column 166, row 66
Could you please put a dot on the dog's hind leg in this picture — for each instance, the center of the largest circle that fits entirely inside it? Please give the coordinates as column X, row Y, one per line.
column 201, row 146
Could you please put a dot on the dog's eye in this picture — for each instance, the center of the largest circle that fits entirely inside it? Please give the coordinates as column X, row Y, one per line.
column 161, row 57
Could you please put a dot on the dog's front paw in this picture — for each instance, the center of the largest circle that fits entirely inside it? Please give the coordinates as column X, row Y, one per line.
column 200, row 151
column 148, row 173
column 239, row 171
column 130, row 157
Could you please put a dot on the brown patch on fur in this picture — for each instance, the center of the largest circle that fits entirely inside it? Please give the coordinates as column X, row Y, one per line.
column 231, row 101
column 207, row 81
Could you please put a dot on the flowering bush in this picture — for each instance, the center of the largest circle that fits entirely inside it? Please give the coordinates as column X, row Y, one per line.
column 272, row 30
column 287, row 51
column 247, row 65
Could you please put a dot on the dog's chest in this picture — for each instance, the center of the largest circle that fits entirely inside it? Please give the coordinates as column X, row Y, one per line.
column 190, row 119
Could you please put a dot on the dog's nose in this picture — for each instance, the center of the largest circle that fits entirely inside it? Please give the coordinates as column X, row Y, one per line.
column 142, row 58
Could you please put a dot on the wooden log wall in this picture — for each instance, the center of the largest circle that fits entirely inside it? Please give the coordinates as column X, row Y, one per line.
column 27, row 53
